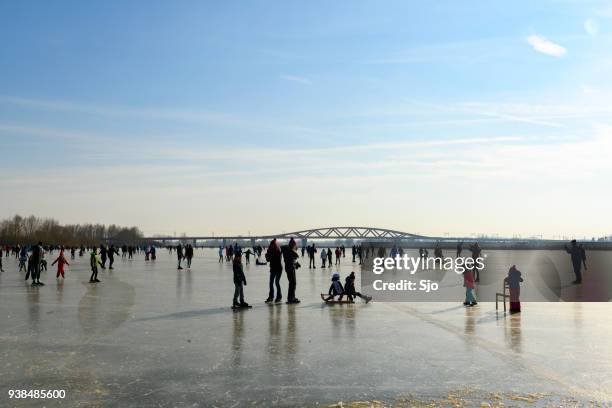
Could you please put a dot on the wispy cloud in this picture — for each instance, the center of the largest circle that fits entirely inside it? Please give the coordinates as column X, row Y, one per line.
column 255, row 124
column 591, row 27
column 546, row 46
column 47, row 133
column 296, row 78
column 453, row 52
column 181, row 115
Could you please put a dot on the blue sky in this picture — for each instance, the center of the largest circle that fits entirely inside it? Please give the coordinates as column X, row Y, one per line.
column 198, row 117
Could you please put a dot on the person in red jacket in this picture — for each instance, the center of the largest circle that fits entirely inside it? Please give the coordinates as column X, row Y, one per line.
column 60, row 261
column 468, row 282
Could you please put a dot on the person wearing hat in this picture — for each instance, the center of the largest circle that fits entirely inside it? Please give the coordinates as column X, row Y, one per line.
column 239, row 282
column 335, row 288
column 514, row 280
column 349, row 289
column 60, row 261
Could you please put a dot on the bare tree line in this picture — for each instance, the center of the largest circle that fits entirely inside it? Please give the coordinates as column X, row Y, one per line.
column 27, row 230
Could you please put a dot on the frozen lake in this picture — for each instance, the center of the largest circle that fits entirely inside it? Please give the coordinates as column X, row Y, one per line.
column 149, row 335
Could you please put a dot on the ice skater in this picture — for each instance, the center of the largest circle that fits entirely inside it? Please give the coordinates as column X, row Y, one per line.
column 94, row 261
column 323, row 257
column 468, row 282
column 23, row 259
column 179, row 255
column 459, row 248
column 188, row 255
column 312, row 250
column 60, row 261
column 248, row 254
column 36, row 258
column 239, row 283
column 112, row 251
column 103, row 256
column 578, row 256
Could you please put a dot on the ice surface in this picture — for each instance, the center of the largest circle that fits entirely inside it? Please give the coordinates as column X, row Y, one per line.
column 149, row 335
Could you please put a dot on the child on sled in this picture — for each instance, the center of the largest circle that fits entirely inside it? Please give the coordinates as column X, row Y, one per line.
column 335, row 289
column 349, row 289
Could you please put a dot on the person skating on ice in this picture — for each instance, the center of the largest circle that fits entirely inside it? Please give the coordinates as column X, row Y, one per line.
column 188, row 255
column 103, row 254
column 60, row 261
column 578, row 256
column 323, row 257
column 94, row 261
column 179, row 255
column 239, row 283
column 112, row 251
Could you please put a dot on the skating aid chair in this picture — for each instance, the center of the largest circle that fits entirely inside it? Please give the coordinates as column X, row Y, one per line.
column 505, row 294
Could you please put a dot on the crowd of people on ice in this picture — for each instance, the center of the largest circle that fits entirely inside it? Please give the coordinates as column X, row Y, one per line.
column 32, row 261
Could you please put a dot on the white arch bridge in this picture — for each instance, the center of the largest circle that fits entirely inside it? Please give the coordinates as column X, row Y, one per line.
column 368, row 234
column 371, row 233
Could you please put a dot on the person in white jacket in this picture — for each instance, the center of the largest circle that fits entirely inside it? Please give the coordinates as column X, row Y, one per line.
column 323, row 258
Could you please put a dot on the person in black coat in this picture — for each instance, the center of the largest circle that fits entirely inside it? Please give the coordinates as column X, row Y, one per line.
column 290, row 256
column 273, row 256
column 112, row 251
column 103, row 254
column 578, row 256
column 189, row 254
column 179, row 255
column 239, row 282
column 349, row 289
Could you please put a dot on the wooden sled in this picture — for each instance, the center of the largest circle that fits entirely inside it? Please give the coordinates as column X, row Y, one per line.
column 344, row 301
